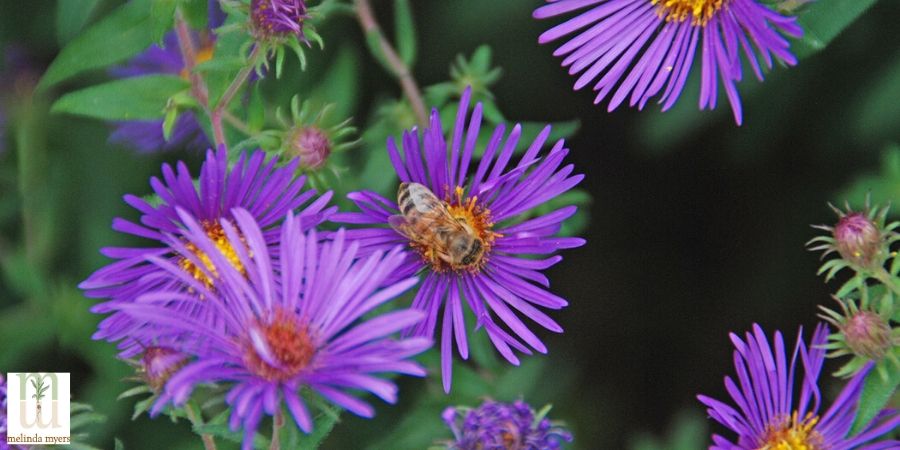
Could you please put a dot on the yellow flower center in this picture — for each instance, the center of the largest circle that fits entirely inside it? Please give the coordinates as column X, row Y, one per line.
column 700, row 11
column 793, row 434
column 204, row 53
column 215, row 233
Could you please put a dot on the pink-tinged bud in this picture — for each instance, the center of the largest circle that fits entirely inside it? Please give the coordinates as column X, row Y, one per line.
column 867, row 334
column 857, row 239
column 311, row 145
column 159, row 363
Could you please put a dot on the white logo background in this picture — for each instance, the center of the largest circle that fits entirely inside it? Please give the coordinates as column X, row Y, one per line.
column 51, row 425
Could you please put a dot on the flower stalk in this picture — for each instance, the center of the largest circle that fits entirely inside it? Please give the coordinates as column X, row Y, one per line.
column 400, row 70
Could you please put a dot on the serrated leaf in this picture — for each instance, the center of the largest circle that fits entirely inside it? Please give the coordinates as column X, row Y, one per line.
column 132, row 98
column 822, row 21
column 71, row 17
column 405, row 31
column 876, row 393
column 125, row 32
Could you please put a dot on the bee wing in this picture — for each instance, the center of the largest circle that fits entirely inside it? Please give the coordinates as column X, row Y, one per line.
column 401, row 225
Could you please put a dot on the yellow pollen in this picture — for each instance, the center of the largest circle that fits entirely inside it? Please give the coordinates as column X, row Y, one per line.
column 793, row 434
column 700, row 11
column 215, row 232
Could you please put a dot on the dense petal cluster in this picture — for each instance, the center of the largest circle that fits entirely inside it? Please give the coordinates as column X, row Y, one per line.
column 291, row 320
column 259, row 186
column 275, row 18
column 643, row 48
column 767, row 415
column 492, row 200
column 503, row 426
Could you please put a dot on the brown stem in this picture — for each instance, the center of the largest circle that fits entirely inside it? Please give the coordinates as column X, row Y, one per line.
column 401, row 71
column 189, row 56
column 277, row 423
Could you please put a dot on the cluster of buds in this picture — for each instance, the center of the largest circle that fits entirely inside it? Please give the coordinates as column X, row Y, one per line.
column 863, row 240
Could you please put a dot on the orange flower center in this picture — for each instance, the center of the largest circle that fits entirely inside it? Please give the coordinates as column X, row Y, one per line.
column 477, row 224
column 215, row 232
column 793, row 434
column 279, row 350
column 699, row 11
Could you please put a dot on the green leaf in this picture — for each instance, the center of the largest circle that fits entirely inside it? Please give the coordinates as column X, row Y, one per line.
column 876, row 393
column 162, row 15
column 121, row 34
column 877, row 114
column 126, row 99
column 405, row 31
column 822, row 21
column 119, row 445
column 221, row 430
column 72, row 16
column 883, row 187
column 324, row 421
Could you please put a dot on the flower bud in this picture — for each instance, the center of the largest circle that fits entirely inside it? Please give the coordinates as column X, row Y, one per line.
column 159, row 363
column 867, row 334
column 857, row 239
column 311, row 145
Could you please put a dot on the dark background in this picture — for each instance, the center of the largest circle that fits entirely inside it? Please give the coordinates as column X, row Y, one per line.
column 697, row 225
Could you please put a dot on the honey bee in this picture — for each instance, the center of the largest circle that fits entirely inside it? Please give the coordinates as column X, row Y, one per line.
column 429, row 225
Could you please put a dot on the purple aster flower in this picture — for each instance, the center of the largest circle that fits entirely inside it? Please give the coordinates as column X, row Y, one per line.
column 291, row 319
column 473, row 236
column 503, row 426
column 146, row 136
column 266, row 191
column 643, row 46
column 277, row 18
column 766, row 416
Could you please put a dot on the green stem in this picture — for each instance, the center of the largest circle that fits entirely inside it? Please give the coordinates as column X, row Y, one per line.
column 222, row 105
column 886, row 279
column 196, row 418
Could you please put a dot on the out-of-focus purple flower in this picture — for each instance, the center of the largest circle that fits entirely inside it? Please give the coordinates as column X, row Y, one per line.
column 254, row 184
column 503, row 426
column 641, row 48
column 277, row 18
column 766, row 416
column 3, row 401
column 489, row 200
column 146, row 136
column 290, row 319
